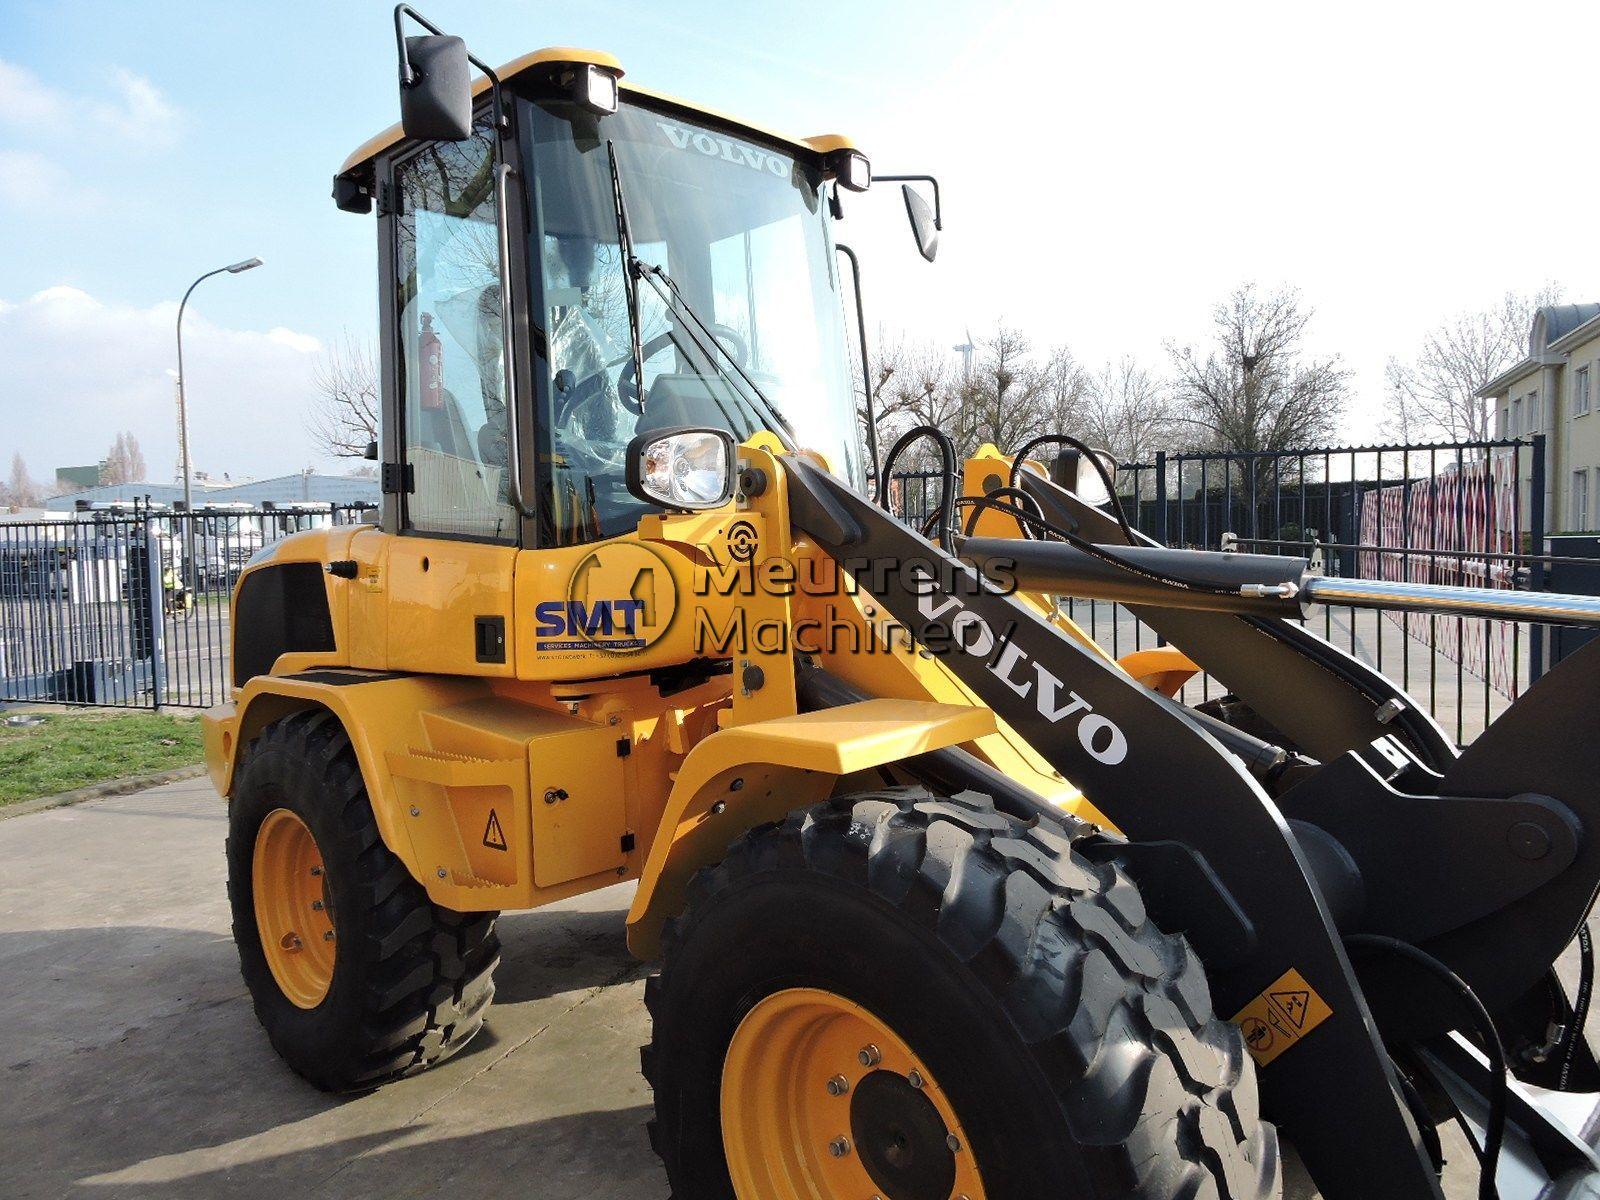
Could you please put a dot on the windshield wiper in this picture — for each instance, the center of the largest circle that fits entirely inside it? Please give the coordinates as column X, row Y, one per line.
column 705, row 341
column 630, row 281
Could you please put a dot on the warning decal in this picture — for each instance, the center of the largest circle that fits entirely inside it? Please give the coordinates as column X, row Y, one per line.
column 493, row 836
column 1280, row 1017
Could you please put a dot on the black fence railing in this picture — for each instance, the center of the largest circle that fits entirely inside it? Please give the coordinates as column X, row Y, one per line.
column 1461, row 513
column 127, row 606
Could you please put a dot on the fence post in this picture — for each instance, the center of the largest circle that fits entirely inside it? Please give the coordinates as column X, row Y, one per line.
column 1537, row 580
column 1161, row 496
column 155, row 613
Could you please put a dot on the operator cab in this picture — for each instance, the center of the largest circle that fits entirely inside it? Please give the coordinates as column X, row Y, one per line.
column 732, row 316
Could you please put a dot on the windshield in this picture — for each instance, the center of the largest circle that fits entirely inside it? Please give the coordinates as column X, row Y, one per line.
column 740, row 228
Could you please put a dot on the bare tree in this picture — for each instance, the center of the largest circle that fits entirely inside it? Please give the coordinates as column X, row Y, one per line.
column 913, row 385
column 20, row 490
column 1009, row 397
column 1255, row 389
column 1435, row 394
column 344, row 414
column 124, row 462
column 1066, row 392
column 1127, row 411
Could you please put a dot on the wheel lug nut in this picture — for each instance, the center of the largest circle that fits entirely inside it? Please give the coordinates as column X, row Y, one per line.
column 839, row 1147
column 915, row 1079
column 327, row 935
column 838, row 1085
column 870, row 1056
column 317, row 905
column 316, row 870
column 954, row 1143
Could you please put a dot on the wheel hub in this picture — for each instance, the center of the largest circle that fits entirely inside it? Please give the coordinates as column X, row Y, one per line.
column 822, row 1100
column 902, row 1139
column 294, row 913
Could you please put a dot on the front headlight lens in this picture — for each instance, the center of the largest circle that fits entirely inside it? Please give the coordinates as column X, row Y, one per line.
column 688, row 469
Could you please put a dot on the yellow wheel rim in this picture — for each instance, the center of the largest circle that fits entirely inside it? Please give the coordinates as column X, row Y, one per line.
column 293, row 912
column 821, row 1100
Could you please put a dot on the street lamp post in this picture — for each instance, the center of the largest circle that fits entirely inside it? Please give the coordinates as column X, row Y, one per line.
column 183, row 418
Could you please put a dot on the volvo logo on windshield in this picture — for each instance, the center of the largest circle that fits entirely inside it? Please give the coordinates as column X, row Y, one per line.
column 716, row 146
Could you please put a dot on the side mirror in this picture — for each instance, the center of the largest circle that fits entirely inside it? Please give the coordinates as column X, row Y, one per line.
column 923, row 223
column 436, row 89
column 687, row 468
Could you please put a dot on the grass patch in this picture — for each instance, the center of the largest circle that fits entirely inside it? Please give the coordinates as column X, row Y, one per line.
column 74, row 749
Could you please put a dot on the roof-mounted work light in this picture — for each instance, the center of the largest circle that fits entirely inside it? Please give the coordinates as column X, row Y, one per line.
column 850, row 169
column 595, row 88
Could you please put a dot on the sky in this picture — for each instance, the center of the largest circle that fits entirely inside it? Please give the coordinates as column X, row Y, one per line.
column 1109, row 173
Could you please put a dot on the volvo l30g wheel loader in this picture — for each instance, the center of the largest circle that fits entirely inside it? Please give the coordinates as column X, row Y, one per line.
column 946, row 903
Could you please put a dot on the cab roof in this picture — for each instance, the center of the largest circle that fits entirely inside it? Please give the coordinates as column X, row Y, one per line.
column 363, row 155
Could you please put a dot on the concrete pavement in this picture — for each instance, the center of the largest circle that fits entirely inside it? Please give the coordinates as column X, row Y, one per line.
column 131, row 1064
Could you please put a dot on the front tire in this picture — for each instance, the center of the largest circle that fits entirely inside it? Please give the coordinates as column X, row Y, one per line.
column 913, row 996
column 355, row 974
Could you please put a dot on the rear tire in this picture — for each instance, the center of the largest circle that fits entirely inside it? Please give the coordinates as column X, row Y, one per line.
column 1074, row 1041
column 410, row 980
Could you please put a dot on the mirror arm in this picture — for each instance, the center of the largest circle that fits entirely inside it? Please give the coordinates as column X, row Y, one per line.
column 866, row 368
column 938, row 212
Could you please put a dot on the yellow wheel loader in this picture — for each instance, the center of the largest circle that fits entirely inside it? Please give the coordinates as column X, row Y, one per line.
column 946, row 903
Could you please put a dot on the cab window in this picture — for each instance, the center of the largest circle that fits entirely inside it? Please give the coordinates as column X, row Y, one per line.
column 451, row 379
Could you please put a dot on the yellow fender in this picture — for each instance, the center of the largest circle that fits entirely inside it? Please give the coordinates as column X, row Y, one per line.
column 747, row 775
column 1163, row 669
column 382, row 715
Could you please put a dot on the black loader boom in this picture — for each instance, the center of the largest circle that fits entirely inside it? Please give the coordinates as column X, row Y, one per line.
column 1359, row 890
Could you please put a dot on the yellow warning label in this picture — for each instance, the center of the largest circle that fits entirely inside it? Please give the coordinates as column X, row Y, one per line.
column 1280, row 1017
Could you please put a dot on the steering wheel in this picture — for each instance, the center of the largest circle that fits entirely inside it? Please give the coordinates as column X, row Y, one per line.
column 627, row 378
column 730, row 340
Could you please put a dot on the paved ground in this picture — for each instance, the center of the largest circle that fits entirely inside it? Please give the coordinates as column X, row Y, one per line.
column 132, row 1066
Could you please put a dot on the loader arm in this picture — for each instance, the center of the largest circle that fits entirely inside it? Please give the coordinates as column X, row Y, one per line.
column 1127, row 748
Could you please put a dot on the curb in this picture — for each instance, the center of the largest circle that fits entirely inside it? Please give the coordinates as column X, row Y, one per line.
column 97, row 791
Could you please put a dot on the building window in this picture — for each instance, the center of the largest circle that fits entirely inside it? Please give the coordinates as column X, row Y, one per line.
column 1580, row 392
column 1514, row 422
column 1579, row 521
column 1531, row 422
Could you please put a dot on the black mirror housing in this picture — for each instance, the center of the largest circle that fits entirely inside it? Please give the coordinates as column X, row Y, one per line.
column 436, row 104
column 923, row 222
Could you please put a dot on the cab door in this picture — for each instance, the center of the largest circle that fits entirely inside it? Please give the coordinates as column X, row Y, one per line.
column 448, row 575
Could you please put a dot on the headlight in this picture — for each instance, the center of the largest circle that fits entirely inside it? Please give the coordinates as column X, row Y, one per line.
column 682, row 468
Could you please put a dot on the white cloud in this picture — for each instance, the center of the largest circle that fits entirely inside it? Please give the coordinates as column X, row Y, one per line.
column 145, row 115
column 27, row 178
column 26, row 102
column 303, row 342
column 138, row 114
column 80, row 369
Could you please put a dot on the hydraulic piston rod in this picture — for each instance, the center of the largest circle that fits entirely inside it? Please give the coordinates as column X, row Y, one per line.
column 1250, row 584
column 1550, row 607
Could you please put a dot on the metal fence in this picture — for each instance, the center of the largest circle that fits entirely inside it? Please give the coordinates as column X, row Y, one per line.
column 1464, row 513
column 128, row 606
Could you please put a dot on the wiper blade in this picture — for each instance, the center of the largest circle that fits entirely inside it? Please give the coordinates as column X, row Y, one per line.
column 636, row 269
column 707, row 341
column 630, row 280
